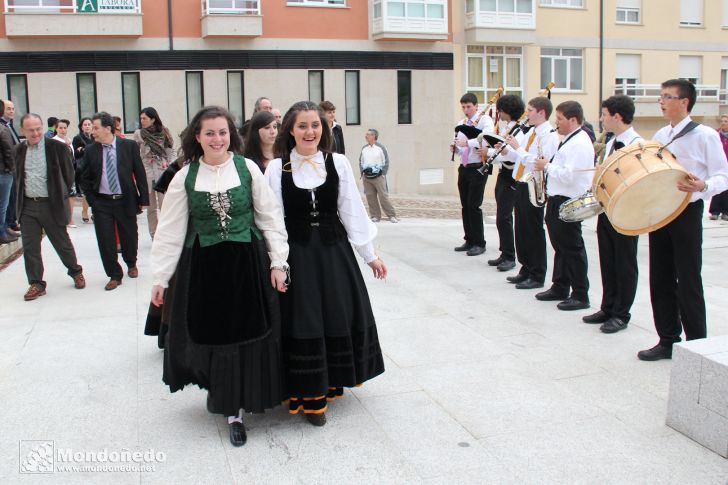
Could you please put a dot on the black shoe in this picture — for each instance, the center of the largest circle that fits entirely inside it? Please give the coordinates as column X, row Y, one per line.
column 476, row 251
column 507, row 265
column 598, row 317
column 497, row 261
column 613, row 325
column 519, row 278
column 529, row 284
column 655, row 353
column 572, row 304
column 551, row 295
column 316, row 419
column 237, row 434
column 464, row 247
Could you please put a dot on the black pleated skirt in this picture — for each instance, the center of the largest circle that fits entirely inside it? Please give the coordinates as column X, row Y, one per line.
column 224, row 328
column 329, row 333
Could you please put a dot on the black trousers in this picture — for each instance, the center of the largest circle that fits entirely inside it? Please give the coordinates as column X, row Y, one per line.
column 570, row 262
column 719, row 204
column 530, row 235
column 11, row 216
column 676, row 286
column 35, row 219
column 109, row 215
column 618, row 264
column 471, row 185
column 505, row 195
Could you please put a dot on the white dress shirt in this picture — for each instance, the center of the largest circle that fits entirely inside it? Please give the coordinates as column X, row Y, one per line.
column 485, row 124
column 359, row 229
column 500, row 159
column 544, row 138
column 627, row 137
column 567, row 174
column 699, row 152
column 174, row 215
column 372, row 156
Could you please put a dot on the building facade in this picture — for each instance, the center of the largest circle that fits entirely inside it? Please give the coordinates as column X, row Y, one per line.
column 399, row 66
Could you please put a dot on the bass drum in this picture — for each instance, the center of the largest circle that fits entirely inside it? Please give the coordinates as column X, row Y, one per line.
column 637, row 187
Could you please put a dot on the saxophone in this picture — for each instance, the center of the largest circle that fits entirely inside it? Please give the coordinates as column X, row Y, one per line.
column 600, row 148
column 536, row 182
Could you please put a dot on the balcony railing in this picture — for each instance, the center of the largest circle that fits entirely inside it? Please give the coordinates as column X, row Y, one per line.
column 491, row 15
column 651, row 92
column 230, row 7
column 72, row 6
column 396, row 19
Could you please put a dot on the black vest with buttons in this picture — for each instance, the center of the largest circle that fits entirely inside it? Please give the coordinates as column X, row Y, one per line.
column 307, row 210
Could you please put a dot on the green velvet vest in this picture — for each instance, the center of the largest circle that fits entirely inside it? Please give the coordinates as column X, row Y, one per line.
column 227, row 216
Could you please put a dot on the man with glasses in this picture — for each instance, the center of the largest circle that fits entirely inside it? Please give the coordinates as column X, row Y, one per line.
column 676, row 286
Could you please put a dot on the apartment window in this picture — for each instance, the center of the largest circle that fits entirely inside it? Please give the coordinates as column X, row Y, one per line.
column 131, row 100
column 86, row 94
column 563, row 3
column 236, row 96
column 492, row 67
column 563, row 66
column 316, row 86
column 724, row 80
column 195, row 94
column 725, row 13
column 691, row 68
column 318, row 3
column 506, row 6
column 351, row 86
column 418, row 9
column 245, row 7
column 628, row 11
column 691, row 13
column 627, row 73
column 404, row 97
column 18, row 94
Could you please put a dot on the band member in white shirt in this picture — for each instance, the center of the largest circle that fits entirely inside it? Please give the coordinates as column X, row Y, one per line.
column 567, row 176
column 617, row 252
column 471, row 184
column 676, row 286
column 526, row 147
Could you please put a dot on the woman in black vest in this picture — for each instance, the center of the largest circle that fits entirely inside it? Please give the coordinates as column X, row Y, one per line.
column 329, row 334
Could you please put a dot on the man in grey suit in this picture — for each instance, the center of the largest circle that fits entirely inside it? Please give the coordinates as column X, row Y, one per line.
column 45, row 178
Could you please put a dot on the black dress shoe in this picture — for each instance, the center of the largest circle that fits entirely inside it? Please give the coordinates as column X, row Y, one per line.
column 237, row 434
column 551, row 295
column 572, row 304
column 519, row 278
column 598, row 317
column 496, row 262
column 655, row 353
column 316, row 419
column 529, row 284
column 507, row 265
column 464, row 247
column 476, row 251
column 613, row 325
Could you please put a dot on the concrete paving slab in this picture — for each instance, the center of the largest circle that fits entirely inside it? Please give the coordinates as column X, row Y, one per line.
column 484, row 384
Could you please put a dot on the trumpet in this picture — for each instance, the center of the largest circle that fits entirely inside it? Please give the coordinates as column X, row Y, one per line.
column 521, row 123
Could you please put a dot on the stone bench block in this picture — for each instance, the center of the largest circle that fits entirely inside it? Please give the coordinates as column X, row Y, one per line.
column 698, row 400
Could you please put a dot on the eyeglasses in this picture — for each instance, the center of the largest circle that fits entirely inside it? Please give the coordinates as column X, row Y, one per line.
column 667, row 97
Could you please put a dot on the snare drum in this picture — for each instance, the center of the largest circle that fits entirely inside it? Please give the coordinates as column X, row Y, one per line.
column 637, row 186
column 580, row 208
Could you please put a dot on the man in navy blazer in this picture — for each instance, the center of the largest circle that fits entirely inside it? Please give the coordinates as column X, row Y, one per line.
column 115, row 185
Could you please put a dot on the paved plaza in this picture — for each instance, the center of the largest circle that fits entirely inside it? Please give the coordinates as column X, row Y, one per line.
column 484, row 384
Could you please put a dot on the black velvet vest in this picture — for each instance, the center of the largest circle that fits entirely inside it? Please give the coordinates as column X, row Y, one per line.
column 313, row 209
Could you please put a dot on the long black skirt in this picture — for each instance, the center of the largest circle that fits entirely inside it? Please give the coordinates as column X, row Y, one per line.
column 329, row 333
column 224, row 328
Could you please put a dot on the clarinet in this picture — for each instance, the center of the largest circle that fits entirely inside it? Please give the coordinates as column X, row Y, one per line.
column 512, row 132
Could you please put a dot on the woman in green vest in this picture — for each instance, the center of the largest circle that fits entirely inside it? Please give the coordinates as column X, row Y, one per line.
column 222, row 230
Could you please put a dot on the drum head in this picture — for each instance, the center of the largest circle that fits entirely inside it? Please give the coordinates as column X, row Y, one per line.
column 649, row 203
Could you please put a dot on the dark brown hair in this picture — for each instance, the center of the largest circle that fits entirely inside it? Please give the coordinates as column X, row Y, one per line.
column 542, row 103
column 253, row 149
column 571, row 109
column 327, row 106
column 285, row 141
column 191, row 148
column 685, row 89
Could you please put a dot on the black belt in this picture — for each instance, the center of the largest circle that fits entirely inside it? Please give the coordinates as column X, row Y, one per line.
column 37, row 199
column 472, row 165
column 110, row 196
